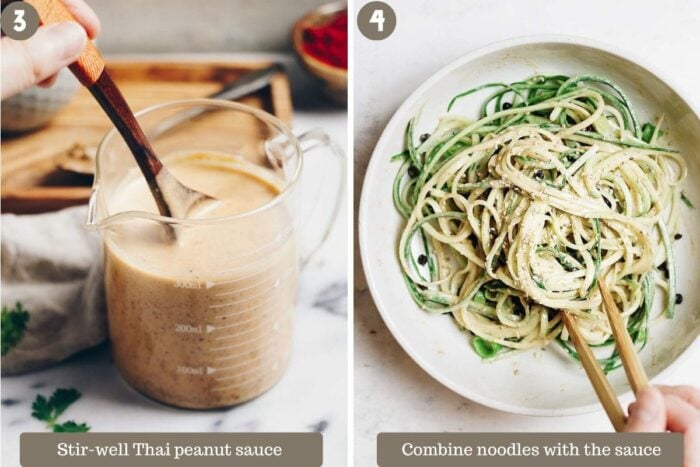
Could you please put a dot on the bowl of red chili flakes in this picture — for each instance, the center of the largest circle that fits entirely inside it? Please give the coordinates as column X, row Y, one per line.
column 321, row 42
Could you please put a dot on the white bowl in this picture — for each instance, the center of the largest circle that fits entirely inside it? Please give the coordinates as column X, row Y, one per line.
column 536, row 382
column 36, row 106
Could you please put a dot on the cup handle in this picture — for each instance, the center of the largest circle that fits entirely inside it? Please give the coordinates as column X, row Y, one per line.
column 310, row 141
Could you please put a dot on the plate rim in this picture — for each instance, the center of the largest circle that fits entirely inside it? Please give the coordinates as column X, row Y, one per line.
column 364, row 236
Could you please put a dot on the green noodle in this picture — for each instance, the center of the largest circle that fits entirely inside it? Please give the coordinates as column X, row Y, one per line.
column 518, row 214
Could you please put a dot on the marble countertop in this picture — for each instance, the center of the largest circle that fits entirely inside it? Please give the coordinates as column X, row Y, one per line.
column 392, row 393
column 310, row 397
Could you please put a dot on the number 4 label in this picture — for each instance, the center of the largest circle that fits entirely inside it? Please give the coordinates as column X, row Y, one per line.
column 378, row 19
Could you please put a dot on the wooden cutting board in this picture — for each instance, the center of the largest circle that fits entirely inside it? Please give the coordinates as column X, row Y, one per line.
column 32, row 182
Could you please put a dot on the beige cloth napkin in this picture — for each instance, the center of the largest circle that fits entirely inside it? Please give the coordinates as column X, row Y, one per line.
column 53, row 265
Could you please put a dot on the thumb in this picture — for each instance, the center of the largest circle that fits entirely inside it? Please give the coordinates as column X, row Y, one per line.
column 648, row 413
column 25, row 63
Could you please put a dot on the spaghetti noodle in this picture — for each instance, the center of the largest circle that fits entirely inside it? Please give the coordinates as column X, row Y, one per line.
column 517, row 215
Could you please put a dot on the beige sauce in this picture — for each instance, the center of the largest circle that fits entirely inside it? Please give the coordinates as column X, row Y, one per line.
column 205, row 321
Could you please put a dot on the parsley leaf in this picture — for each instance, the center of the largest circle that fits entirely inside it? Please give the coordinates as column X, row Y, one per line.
column 12, row 325
column 49, row 410
column 71, row 427
column 62, row 398
column 41, row 409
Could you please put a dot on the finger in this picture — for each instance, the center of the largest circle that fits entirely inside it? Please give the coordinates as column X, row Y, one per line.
column 27, row 62
column 48, row 81
column 684, row 418
column 680, row 414
column 691, row 445
column 647, row 414
column 85, row 16
column 688, row 393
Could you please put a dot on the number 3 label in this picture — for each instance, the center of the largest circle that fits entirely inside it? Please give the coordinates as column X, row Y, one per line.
column 20, row 24
column 19, row 20
column 378, row 19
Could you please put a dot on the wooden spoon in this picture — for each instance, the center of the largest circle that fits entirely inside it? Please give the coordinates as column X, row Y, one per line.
column 172, row 197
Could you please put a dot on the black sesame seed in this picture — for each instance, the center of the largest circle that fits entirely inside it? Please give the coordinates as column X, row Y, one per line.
column 664, row 269
column 607, row 202
column 424, row 137
column 679, row 299
column 678, row 236
column 413, row 172
column 422, row 260
column 539, row 175
column 506, row 105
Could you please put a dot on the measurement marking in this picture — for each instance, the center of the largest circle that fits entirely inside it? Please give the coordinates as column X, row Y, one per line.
column 231, row 315
column 189, row 370
column 278, row 281
column 275, row 327
column 239, row 344
column 242, row 383
column 248, row 331
column 247, row 372
column 257, row 317
column 188, row 328
column 239, row 354
column 238, row 365
column 258, row 347
column 189, row 284
column 247, row 299
column 263, row 272
column 258, row 363
column 255, row 307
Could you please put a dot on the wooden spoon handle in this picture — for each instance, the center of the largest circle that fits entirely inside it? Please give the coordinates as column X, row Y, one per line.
column 90, row 64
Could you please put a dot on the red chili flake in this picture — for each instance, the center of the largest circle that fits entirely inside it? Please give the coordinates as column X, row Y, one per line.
column 329, row 42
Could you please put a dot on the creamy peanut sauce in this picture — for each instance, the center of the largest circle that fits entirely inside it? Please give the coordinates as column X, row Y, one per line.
column 206, row 320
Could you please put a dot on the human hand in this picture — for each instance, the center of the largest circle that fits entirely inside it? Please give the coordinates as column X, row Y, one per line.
column 38, row 59
column 669, row 408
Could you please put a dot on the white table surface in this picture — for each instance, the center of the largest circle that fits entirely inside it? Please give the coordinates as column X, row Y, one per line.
column 310, row 397
column 391, row 393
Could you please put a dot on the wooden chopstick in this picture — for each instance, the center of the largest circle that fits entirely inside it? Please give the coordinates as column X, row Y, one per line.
column 600, row 383
column 628, row 354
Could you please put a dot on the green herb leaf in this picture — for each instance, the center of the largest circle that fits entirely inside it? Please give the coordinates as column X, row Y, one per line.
column 648, row 131
column 484, row 348
column 49, row 410
column 41, row 409
column 71, row 427
column 12, row 325
column 480, row 297
column 687, row 201
column 62, row 398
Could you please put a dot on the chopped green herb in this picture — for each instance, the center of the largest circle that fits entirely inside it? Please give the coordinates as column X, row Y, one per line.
column 687, row 201
column 12, row 324
column 480, row 297
column 71, row 427
column 647, row 132
column 49, row 410
column 484, row 348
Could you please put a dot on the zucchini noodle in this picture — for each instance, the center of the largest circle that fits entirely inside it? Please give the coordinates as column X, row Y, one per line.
column 515, row 216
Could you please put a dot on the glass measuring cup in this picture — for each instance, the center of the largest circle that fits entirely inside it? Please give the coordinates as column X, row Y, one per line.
column 206, row 319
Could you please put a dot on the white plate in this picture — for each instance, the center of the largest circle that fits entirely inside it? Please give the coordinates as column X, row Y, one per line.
column 539, row 382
